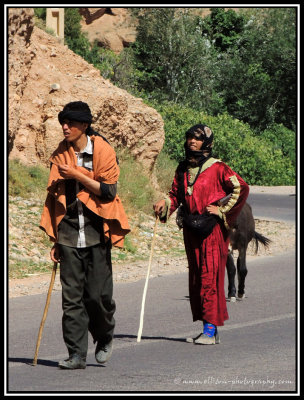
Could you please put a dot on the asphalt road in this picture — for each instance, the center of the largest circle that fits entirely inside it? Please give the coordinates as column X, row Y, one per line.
column 258, row 351
column 273, row 206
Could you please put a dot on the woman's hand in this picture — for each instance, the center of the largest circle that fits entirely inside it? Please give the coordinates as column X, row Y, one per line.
column 211, row 209
column 159, row 207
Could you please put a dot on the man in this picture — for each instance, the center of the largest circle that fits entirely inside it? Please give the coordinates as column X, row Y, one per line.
column 84, row 216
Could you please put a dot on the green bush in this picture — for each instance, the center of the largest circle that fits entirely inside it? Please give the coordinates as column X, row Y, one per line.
column 177, row 120
column 260, row 160
column 282, row 139
column 40, row 13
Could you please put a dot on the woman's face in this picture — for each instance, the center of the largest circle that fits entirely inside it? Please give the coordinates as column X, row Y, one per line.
column 194, row 142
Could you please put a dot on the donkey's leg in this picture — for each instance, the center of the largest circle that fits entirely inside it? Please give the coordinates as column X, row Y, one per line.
column 242, row 272
column 231, row 271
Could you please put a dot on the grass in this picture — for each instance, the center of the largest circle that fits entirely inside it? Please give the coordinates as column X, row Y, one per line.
column 164, row 170
column 29, row 183
column 134, row 186
column 25, row 268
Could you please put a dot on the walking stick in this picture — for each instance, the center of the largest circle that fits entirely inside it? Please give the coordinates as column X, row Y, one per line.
column 146, row 286
column 48, row 299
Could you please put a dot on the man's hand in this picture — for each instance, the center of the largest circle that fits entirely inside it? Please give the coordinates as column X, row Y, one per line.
column 55, row 256
column 68, row 172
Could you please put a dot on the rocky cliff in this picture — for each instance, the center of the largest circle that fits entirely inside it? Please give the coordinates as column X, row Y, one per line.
column 113, row 28
column 44, row 75
column 20, row 28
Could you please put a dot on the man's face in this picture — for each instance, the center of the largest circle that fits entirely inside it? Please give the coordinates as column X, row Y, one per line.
column 73, row 130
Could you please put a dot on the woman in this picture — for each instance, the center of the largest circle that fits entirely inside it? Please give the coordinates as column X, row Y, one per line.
column 200, row 184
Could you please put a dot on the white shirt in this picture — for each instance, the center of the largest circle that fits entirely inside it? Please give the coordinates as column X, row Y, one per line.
column 88, row 164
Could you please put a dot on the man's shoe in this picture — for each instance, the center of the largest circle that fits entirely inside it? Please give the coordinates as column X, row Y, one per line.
column 73, row 362
column 103, row 351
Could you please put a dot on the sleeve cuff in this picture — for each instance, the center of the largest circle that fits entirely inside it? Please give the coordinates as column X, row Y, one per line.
column 108, row 192
column 220, row 214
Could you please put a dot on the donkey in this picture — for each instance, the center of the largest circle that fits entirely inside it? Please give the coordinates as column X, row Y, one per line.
column 240, row 236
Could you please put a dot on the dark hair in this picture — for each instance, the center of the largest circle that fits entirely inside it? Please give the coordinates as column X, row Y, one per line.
column 76, row 111
column 77, row 106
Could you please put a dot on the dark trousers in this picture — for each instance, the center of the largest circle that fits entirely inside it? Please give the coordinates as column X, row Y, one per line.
column 87, row 289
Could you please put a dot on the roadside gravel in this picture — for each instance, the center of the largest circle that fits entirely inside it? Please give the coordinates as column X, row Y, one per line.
column 288, row 190
column 27, row 242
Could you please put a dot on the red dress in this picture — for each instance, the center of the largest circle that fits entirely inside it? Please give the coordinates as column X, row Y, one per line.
column 207, row 257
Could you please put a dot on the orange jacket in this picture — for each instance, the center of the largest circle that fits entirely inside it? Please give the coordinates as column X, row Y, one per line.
column 105, row 169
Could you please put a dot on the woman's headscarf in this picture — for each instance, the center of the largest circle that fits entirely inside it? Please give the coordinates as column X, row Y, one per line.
column 204, row 133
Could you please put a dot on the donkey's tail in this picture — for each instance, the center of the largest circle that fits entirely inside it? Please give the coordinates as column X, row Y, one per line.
column 262, row 239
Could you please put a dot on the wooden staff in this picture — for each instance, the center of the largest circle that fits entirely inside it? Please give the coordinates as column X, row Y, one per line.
column 146, row 285
column 48, row 299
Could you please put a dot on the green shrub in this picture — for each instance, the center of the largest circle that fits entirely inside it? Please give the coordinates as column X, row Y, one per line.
column 260, row 160
column 40, row 13
column 177, row 120
column 282, row 139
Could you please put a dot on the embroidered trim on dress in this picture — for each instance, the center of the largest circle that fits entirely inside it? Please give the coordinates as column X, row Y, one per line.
column 234, row 198
column 193, row 172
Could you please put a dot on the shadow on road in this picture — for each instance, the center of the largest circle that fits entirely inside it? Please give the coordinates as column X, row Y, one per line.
column 29, row 361
column 46, row 363
column 122, row 336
